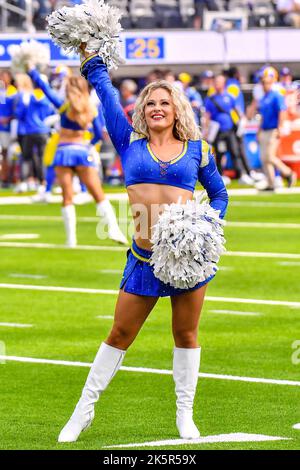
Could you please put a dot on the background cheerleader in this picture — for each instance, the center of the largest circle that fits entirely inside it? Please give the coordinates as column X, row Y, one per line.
column 75, row 155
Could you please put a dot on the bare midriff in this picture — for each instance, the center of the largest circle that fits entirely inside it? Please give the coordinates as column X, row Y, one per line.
column 146, row 202
column 69, row 136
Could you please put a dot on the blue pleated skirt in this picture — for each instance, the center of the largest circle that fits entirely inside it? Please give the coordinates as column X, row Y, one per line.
column 72, row 155
column 138, row 277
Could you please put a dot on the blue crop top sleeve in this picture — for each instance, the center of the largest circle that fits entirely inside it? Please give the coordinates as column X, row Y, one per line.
column 119, row 129
column 45, row 87
column 212, row 182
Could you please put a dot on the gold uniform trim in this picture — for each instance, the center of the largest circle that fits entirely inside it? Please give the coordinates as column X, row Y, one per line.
column 135, row 136
column 141, row 258
column 87, row 59
column 204, row 153
column 174, row 160
column 63, row 107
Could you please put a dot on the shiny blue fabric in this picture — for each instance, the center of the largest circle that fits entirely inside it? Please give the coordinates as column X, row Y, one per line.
column 139, row 165
column 72, row 155
column 138, row 277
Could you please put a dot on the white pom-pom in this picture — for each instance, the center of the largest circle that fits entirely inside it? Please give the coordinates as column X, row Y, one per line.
column 188, row 241
column 93, row 23
column 29, row 54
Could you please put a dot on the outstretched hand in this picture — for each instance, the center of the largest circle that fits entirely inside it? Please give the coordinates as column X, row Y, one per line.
column 83, row 52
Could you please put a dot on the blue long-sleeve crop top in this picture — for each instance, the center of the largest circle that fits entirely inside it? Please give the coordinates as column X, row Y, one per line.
column 63, row 108
column 32, row 113
column 140, row 165
column 7, row 102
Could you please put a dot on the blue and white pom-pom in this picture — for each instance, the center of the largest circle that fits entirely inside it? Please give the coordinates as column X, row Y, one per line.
column 94, row 23
column 188, row 241
column 29, row 54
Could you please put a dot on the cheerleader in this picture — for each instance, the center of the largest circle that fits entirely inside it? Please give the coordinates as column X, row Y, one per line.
column 163, row 156
column 74, row 154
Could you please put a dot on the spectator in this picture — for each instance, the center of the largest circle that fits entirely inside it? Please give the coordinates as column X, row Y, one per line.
column 31, row 110
column 154, row 75
column 169, row 76
column 192, row 94
column 128, row 91
column 8, row 95
column 221, row 109
column 289, row 12
column 200, row 6
column 207, row 81
column 272, row 109
column 286, row 78
column 233, row 87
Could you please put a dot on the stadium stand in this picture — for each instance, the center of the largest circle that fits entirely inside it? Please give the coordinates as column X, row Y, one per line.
column 29, row 15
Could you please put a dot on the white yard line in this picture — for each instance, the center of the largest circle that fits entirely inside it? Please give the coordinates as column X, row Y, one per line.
column 264, row 204
column 232, row 437
column 263, row 225
column 110, row 271
column 78, row 290
column 259, row 254
column 84, row 290
column 29, row 276
column 17, row 200
column 235, row 312
column 105, row 317
column 16, row 325
column 147, row 370
column 248, row 254
column 36, row 218
column 288, row 263
column 63, row 247
column 19, row 236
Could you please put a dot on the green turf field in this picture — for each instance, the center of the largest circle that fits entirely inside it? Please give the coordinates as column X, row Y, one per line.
column 38, row 398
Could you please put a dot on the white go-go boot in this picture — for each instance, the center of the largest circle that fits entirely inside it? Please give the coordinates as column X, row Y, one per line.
column 106, row 364
column 186, row 363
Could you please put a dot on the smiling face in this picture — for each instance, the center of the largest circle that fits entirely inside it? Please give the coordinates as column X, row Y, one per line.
column 159, row 110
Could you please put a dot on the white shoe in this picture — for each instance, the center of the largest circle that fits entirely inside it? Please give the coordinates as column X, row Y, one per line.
column 261, row 185
column 106, row 364
column 186, row 363
column 81, row 198
column 278, row 182
column 257, row 176
column 246, row 179
column 47, row 197
column 226, row 180
column 21, row 187
column 32, row 186
column 40, row 196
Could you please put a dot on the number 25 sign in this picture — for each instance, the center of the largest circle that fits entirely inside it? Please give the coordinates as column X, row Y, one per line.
column 145, row 48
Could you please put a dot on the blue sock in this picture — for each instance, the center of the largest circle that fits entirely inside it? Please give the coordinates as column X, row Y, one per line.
column 83, row 187
column 50, row 177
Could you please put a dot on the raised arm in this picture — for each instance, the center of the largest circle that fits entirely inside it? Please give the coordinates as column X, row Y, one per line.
column 119, row 129
column 212, row 182
column 46, row 88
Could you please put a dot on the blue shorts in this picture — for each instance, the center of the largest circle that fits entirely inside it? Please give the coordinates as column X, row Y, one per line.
column 138, row 277
column 73, row 155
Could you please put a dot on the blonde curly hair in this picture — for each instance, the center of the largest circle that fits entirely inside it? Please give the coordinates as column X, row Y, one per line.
column 185, row 127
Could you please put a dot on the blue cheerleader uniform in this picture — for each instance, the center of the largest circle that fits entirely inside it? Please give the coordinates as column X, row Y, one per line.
column 69, row 155
column 140, row 165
